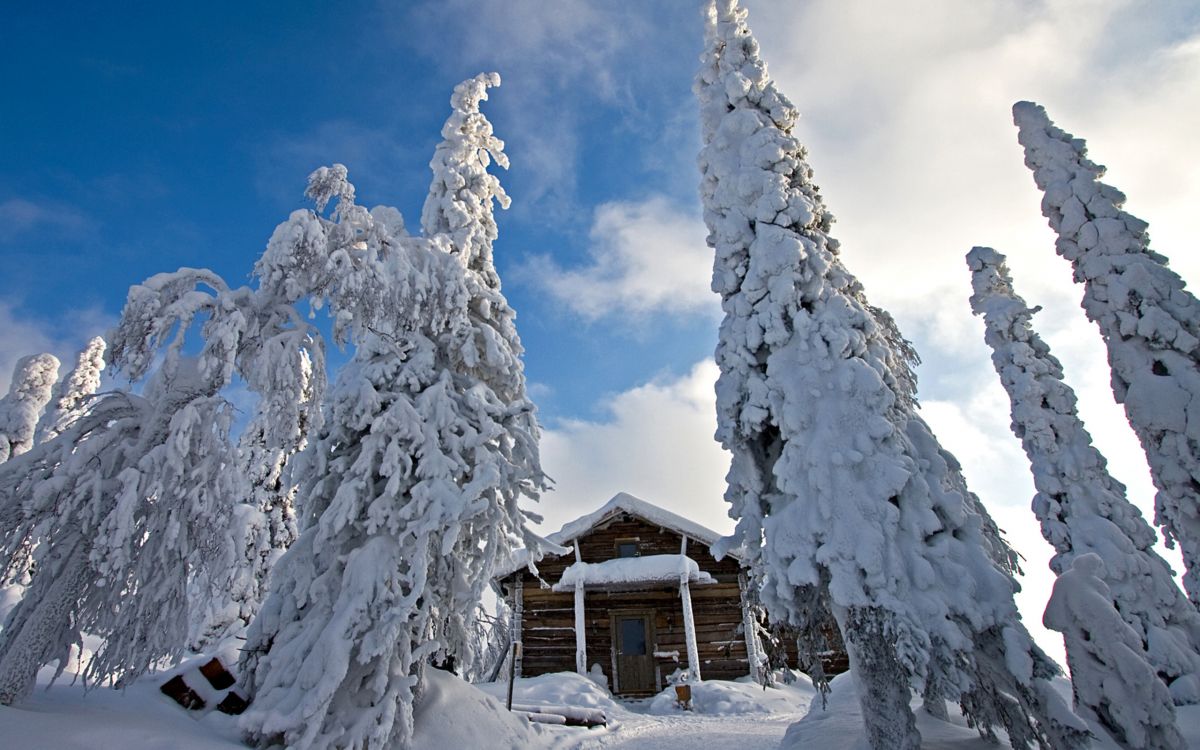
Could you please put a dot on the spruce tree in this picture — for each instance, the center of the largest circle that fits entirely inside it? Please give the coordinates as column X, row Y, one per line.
column 69, row 399
column 74, row 391
column 28, row 393
column 835, row 484
column 134, row 507
column 1149, row 321
column 126, row 504
column 1113, row 683
column 1082, row 509
column 264, row 522
column 411, row 489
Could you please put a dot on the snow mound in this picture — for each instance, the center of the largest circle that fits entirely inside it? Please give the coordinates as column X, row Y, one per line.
column 64, row 717
column 723, row 698
column 451, row 713
column 556, row 689
column 839, row 726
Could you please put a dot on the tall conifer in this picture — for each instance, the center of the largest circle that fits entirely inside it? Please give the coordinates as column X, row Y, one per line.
column 1081, row 508
column 1149, row 321
column 410, row 494
column 835, row 483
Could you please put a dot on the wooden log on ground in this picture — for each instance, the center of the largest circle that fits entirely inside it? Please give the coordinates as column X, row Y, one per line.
column 574, row 716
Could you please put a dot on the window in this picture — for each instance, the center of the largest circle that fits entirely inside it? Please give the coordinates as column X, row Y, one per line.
column 627, row 549
column 632, row 634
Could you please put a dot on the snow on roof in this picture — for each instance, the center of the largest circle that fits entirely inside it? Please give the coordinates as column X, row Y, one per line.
column 624, row 502
column 631, row 570
column 560, row 541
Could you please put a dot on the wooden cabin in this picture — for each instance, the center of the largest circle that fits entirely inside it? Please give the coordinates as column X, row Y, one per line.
column 637, row 595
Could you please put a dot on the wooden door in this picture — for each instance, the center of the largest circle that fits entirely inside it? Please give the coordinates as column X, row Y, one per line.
column 634, row 653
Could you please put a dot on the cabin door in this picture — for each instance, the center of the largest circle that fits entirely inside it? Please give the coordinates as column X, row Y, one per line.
column 634, row 653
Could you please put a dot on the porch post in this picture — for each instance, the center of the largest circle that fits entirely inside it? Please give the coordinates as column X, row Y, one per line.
column 580, row 632
column 750, row 628
column 518, row 611
column 580, row 622
column 689, row 624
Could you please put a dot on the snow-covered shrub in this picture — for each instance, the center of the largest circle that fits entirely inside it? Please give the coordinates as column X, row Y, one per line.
column 1082, row 509
column 1149, row 321
column 1114, row 685
column 836, row 484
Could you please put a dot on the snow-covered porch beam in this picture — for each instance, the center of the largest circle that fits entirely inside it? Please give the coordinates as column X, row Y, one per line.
column 580, row 621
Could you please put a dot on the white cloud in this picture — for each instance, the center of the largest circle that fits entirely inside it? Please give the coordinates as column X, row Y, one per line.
column 907, row 117
column 566, row 66
column 655, row 442
column 646, row 257
column 544, row 53
column 559, row 43
column 19, row 217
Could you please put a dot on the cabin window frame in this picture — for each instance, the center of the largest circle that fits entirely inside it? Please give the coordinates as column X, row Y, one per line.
column 636, row 541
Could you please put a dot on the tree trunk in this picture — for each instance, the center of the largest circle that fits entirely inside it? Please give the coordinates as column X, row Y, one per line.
column 883, row 690
column 39, row 629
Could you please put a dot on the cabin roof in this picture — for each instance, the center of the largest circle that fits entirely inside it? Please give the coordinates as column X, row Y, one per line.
column 622, row 502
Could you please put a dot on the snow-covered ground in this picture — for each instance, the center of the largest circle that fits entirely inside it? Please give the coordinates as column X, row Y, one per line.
column 744, row 716
column 63, row 717
column 724, row 714
column 453, row 714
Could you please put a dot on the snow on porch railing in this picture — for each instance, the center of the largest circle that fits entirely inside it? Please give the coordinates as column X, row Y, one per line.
column 633, row 570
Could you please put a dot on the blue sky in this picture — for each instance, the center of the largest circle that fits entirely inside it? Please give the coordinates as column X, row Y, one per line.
column 146, row 138
column 138, row 138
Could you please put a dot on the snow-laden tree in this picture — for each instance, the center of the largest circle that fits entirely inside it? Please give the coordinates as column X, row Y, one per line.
column 73, row 392
column 1113, row 683
column 257, row 334
column 32, row 388
column 410, row 495
column 458, row 211
column 29, row 392
column 834, row 482
column 1149, row 321
column 169, row 466
column 901, row 359
column 264, row 523
column 491, row 642
column 127, row 502
column 1082, row 509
